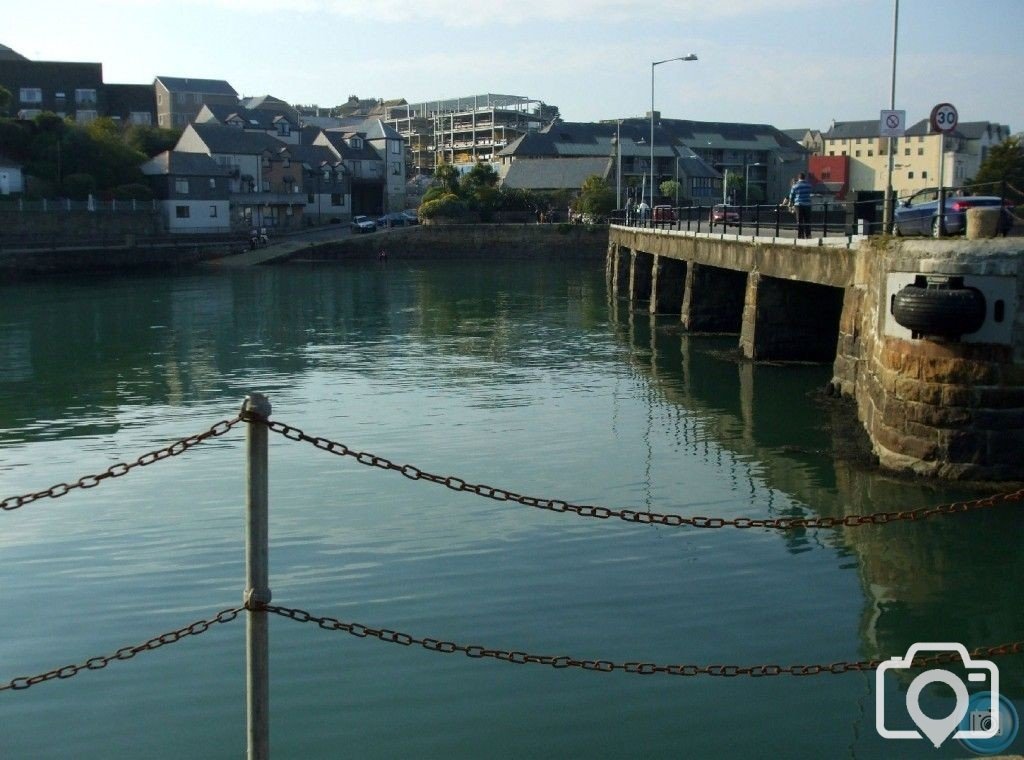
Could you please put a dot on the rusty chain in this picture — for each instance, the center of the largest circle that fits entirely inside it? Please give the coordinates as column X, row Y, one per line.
column 606, row 666
column 629, row 515
column 122, row 468
column 125, row 653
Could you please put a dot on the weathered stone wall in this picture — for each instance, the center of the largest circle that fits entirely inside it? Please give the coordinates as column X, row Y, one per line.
column 946, row 408
column 65, row 227
column 457, row 241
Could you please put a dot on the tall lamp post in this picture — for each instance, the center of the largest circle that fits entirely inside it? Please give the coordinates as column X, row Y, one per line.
column 746, row 182
column 690, row 57
column 618, row 164
column 887, row 212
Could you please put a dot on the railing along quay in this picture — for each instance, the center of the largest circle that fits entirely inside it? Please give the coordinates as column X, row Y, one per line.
column 257, row 602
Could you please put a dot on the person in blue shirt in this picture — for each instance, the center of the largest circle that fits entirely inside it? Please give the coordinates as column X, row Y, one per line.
column 800, row 200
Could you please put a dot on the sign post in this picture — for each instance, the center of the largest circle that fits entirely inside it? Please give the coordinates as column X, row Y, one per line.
column 943, row 119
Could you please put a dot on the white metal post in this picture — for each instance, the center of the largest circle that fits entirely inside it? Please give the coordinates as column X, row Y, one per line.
column 257, row 589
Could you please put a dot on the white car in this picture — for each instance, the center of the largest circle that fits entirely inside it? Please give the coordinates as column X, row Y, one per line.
column 363, row 224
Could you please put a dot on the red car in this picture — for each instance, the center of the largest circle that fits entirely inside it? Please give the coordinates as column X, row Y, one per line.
column 722, row 214
column 664, row 214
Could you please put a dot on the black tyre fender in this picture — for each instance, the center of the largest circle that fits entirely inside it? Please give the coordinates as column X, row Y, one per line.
column 942, row 311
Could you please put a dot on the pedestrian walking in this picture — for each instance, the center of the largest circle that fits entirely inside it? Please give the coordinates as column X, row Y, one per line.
column 800, row 200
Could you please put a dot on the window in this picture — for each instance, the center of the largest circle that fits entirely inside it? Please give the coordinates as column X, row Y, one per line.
column 910, row 175
column 85, row 97
column 871, row 153
column 924, row 175
column 906, row 151
column 396, row 170
column 286, row 162
column 181, row 186
column 856, row 153
column 920, row 151
column 213, row 183
column 266, row 185
column 844, row 152
column 284, row 128
column 920, row 139
column 309, row 198
column 181, row 212
column 84, row 117
column 159, row 98
column 266, row 162
column 831, row 152
column 857, row 141
column 213, row 212
column 356, row 142
column 336, row 199
column 143, row 118
column 396, row 147
column 29, row 113
column 31, row 95
column 181, row 97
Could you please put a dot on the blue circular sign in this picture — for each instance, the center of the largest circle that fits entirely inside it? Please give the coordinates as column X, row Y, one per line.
column 979, row 718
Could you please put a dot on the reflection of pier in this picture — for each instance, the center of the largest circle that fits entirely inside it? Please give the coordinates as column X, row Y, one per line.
column 951, row 578
column 915, row 393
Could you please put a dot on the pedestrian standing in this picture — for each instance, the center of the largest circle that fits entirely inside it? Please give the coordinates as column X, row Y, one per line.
column 800, row 201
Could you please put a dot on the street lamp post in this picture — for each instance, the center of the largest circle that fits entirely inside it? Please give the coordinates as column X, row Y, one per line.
column 690, row 57
column 746, row 182
column 887, row 212
column 618, row 164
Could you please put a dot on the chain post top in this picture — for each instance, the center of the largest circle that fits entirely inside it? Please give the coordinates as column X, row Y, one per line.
column 256, row 405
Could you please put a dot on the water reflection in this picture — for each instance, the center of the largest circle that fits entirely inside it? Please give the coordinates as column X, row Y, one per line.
column 947, row 579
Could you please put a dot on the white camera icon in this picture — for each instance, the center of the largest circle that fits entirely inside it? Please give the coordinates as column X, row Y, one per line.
column 938, row 730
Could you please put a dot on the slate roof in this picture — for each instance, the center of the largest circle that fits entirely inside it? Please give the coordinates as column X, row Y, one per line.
column 552, row 174
column 221, row 139
column 264, row 119
column 336, row 137
column 204, row 86
column 6, row 54
column 970, row 130
column 850, row 130
column 375, row 129
column 184, row 164
column 312, row 155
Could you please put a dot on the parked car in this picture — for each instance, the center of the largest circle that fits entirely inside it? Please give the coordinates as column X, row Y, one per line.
column 363, row 224
column 411, row 217
column 918, row 215
column 664, row 214
column 394, row 219
column 724, row 215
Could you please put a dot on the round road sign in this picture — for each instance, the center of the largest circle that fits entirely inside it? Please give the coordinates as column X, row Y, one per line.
column 944, row 117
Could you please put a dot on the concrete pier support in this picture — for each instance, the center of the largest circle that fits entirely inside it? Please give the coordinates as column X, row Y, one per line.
column 713, row 299
column 640, row 275
column 667, row 285
column 788, row 320
column 621, row 258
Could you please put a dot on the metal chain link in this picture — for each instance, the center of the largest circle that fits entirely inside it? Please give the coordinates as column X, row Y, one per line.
column 122, row 468
column 606, row 666
column 125, row 653
column 629, row 515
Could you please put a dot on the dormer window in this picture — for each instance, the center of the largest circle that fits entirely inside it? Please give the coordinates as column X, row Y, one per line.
column 284, row 128
column 356, row 142
column 266, row 162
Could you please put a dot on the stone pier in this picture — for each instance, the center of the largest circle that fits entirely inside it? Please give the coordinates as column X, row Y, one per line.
column 952, row 408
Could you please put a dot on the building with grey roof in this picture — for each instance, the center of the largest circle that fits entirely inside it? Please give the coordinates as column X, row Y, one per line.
column 623, row 151
column 268, row 121
column 67, row 89
column 192, row 191
column 178, row 99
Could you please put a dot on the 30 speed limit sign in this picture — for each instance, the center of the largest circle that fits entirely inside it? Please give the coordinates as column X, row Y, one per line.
column 944, row 117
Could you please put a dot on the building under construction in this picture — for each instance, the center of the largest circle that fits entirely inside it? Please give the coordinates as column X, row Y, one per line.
column 463, row 131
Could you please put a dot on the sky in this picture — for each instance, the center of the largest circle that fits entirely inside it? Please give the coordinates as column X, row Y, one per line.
column 789, row 63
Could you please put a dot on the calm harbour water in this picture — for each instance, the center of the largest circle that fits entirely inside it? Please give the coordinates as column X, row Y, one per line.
column 519, row 375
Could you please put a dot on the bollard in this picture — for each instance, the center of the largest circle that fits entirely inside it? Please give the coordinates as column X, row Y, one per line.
column 257, row 589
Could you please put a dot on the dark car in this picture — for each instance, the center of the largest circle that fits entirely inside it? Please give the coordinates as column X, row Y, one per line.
column 918, row 215
column 722, row 214
column 411, row 216
column 394, row 219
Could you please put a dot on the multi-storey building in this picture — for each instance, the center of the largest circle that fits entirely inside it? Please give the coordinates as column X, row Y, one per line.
column 67, row 89
column 916, row 155
column 466, row 130
column 178, row 100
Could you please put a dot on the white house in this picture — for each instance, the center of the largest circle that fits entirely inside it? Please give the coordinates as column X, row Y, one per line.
column 11, row 180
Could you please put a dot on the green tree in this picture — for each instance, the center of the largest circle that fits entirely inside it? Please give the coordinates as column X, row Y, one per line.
column 151, row 141
column 448, row 206
column 1004, row 163
column 447, row 176
column 670, row 189
column 481, row 175
column 596, row 197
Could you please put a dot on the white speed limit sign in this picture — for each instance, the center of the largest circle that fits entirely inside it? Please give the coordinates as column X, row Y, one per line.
column 944, row 117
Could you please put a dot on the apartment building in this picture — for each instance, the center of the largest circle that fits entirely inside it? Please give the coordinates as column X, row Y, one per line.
column 67, row 89
column 465, row 130
column 179, row 100
column 916, row 155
